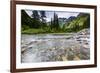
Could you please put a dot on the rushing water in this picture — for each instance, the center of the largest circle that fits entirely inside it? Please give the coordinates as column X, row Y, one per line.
column 51, row 47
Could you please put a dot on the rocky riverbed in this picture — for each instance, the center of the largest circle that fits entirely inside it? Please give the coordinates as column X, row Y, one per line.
column 56, row 47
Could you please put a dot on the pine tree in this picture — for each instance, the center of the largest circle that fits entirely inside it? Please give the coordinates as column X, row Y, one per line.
column 43, row 16
column 56, row 21
column 35, row 14
column 51, row 25
column 36, row 19
column 26, row 20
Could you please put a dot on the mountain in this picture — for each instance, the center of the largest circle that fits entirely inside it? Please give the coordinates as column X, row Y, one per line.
column 26, row 20
column 71, row 18
column 62, row 21
column 80, row 22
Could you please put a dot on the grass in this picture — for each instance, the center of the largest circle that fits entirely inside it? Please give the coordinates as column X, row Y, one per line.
column 46, row 31
column 39, row 31
column 33, row 31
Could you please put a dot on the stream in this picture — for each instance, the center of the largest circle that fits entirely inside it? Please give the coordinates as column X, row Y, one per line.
column 55, row 47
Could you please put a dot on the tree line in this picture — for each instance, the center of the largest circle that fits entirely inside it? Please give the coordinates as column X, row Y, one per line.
column 38, row 20
column 38, row 24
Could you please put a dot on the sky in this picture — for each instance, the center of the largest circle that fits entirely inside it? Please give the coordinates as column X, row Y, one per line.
column 49, row 14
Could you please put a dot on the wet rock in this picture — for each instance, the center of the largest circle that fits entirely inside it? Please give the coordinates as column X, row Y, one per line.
column 64, row 58
column 76, row 58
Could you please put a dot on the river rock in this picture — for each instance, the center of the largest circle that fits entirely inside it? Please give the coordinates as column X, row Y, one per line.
column 48, row 48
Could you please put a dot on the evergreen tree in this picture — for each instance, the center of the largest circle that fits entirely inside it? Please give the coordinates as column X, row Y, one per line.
column 26, row 20
column 36, row 19
column 35, row 14
column 51, row 25
column 43, row 16
column 56, row 21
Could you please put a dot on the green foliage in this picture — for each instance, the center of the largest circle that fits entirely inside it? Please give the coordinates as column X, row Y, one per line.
column 25, row 27
column 35, row 15
column 55, row 22
column 25, row 19
column 79, row 23
column 33, row 31
column 36, row 20
column 37, row 23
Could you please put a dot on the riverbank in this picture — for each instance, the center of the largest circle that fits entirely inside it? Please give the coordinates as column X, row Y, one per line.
column 44, row 31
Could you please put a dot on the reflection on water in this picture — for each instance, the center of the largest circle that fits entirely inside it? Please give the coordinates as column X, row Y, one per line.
column 54, row 47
